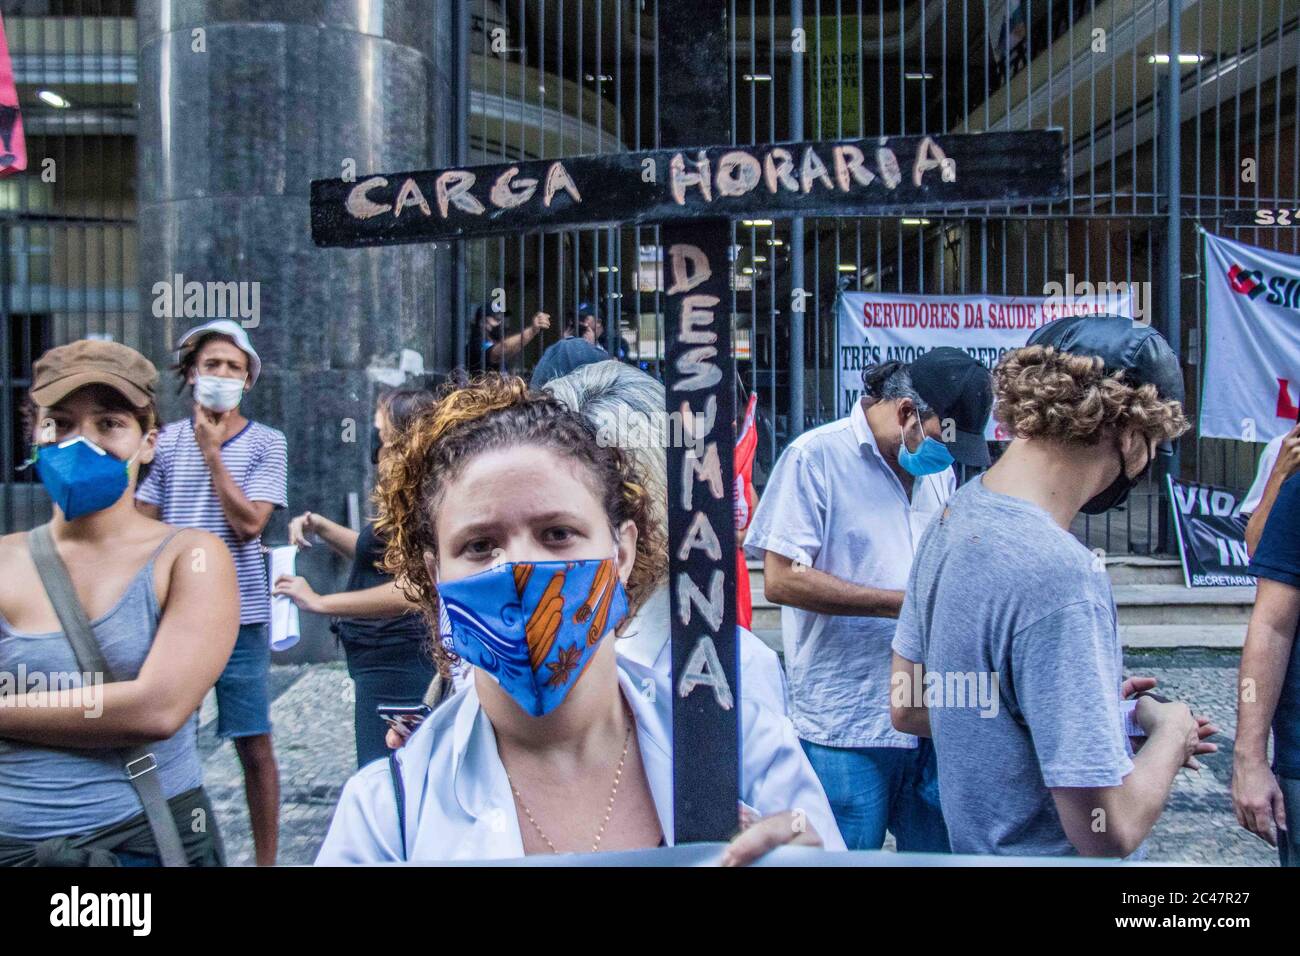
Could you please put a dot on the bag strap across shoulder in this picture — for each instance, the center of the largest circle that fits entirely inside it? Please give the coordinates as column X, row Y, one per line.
column 399, row 794
column 138, row 763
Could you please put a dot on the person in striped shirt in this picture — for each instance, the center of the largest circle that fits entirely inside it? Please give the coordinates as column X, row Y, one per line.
column 219, row 471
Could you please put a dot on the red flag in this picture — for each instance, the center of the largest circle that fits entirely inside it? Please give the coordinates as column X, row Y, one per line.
column 746, row 447
column 13, row 145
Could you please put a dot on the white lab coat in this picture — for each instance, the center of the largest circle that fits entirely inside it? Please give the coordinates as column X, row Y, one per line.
column 459, row 805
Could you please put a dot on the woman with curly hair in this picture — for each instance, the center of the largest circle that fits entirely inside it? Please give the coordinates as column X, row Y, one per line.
column 1008, row 651
column 516, row 532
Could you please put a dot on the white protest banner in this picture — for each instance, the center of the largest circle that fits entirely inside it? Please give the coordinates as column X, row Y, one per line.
column 1252, row 341
column 876, row 328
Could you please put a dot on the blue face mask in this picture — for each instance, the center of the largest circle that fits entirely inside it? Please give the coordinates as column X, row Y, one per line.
column 930, row 457
column 533, row 625
column 81, row 477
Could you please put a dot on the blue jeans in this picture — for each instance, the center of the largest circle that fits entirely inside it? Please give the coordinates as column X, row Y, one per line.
column 243, row 689
column 874, row 788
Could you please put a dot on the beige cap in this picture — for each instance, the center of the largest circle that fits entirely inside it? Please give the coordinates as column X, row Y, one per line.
column 62, row 370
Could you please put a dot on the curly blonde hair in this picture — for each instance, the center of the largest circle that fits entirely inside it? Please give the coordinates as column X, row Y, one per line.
column 1045, row 393
column 495, row 412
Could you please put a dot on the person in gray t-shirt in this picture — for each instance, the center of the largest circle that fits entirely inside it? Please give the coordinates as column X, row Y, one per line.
column 1007, row 650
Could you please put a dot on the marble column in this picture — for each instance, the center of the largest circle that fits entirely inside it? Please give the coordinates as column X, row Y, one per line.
column 242, row 104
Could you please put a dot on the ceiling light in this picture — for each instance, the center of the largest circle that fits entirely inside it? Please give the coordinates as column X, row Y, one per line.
column 916, row 222
column 757, row 77
column 50, row 98
column 756, row 222
column 1184, row 59
column 918, row 76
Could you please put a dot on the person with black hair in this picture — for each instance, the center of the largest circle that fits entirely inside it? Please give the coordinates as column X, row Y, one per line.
column 580, row 346
column 488, row 347
column 382, row 632
column 836, row 529
column 221, row 471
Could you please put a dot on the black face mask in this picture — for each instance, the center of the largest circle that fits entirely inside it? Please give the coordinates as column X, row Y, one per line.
column 376, row 445
column 1116, row 493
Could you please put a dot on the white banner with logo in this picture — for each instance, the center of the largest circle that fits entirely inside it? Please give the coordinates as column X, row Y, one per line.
column 876, row 328
column 1252, row 341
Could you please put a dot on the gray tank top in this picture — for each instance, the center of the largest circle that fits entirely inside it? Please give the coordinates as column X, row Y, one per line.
column 46, row 792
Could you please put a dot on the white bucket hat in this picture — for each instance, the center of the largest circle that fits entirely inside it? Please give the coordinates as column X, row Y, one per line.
column 231, row 329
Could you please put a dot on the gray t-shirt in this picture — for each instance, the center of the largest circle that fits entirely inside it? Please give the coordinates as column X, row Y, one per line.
column 1014, row 621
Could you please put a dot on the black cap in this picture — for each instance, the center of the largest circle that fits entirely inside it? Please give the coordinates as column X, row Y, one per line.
column 958, row 388
column 1138, row 351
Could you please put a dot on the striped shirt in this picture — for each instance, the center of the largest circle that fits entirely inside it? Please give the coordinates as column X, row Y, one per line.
column 180, row 484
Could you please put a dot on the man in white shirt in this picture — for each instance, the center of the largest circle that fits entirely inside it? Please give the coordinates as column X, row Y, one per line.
column 837, row 528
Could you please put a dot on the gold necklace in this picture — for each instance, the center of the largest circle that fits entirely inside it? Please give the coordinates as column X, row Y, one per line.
column 609, row 807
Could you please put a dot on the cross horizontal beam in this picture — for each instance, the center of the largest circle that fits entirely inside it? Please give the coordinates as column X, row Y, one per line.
column 859, row 177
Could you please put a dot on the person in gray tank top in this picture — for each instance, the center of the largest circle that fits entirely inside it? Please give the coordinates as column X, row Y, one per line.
column 162, row 604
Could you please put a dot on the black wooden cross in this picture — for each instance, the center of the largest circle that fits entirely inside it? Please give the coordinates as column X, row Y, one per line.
column 694, row 193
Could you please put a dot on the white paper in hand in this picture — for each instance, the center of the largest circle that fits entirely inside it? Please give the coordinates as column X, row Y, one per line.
column 284, row 613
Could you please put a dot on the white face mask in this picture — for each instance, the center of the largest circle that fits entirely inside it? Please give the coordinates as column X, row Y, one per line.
column 218, row 394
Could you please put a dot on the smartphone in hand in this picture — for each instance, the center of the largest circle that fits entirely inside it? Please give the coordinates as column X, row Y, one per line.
column 403, row 718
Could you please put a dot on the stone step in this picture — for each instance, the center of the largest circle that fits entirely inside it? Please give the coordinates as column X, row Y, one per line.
column 1133, row 636
column 1139, row 570
column 1152, row 612
column 1137, row 604
column 1130, row 569
column 1171, row 604
column 1144, row 636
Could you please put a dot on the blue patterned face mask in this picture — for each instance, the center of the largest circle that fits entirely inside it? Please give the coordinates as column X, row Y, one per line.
column 533, row 625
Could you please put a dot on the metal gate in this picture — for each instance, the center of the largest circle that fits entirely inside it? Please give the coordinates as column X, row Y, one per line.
column 587, row 72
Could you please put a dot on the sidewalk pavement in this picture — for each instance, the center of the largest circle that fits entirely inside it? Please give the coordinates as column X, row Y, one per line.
column 312, row 719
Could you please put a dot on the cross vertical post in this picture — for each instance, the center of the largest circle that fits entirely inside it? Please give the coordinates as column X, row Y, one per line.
column 699, row 381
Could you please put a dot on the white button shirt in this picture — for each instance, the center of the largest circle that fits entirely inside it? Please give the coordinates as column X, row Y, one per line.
column 459, row 805
column 833, row 504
